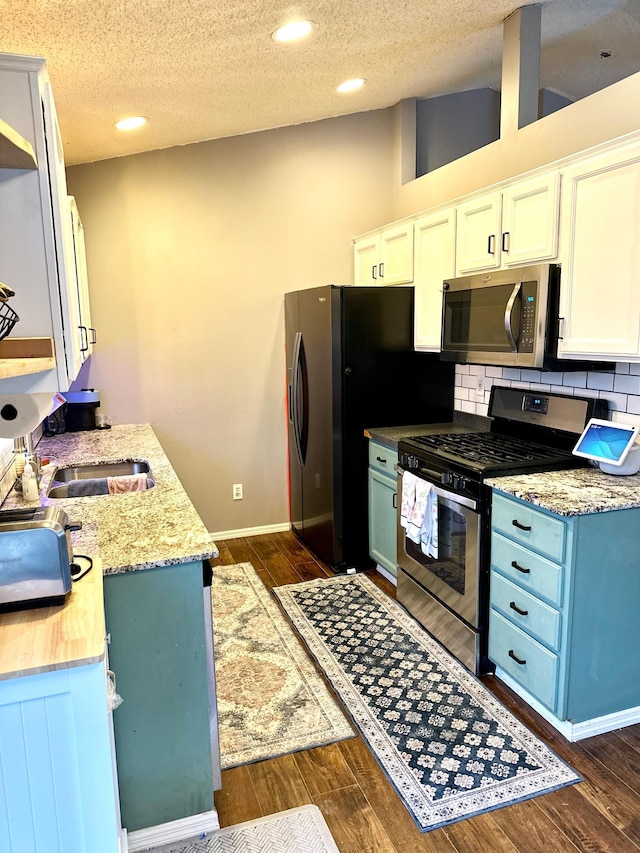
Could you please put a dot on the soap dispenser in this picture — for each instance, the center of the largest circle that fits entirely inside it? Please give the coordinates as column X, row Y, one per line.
column 29, row 484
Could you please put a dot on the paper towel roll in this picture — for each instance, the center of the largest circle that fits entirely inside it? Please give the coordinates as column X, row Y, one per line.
column 21, row 413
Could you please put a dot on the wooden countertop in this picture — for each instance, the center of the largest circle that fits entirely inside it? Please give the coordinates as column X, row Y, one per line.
column 35, row 641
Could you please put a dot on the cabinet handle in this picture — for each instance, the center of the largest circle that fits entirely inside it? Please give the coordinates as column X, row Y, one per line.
column 491, row 244
column 381, row 269
column 395, row 500
column 94, row 335
column 517, row 524
column 560, row 336
column 516, row 659
column 506, row 241
column 520, row 568
column 515, row 607
column 380, row 459
column 84, row 346
column 374, row 271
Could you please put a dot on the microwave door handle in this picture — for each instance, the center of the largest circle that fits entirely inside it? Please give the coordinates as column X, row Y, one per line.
column 508, row 315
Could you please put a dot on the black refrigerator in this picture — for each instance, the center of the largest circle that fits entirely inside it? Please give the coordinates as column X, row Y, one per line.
column 350, row 365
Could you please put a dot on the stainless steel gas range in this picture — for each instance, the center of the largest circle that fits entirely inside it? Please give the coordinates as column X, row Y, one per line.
column 443, row 551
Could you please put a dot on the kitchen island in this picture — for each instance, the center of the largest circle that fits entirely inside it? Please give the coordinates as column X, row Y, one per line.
column 154, row 550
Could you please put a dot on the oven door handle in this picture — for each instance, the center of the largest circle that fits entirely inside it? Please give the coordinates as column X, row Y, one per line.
column 441, row 493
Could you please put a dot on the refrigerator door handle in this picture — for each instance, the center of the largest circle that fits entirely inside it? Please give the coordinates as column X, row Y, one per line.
column 294, row 392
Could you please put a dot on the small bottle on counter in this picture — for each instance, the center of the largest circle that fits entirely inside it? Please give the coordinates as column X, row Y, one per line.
column 29, row 484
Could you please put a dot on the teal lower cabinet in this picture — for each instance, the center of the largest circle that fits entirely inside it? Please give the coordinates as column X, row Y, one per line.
column 57, row 781
column 563, row 623
column 161, row 651
column 383, row 487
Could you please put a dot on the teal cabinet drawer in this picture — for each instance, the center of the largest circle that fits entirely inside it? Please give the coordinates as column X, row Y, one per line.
column 530, row 526
column 529, row 570
column 382, row 458
column 527, row 661
column 525, row 610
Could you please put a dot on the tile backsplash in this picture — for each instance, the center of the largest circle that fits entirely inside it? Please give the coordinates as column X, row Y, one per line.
column 620, row 386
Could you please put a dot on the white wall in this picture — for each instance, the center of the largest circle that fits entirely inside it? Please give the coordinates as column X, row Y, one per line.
column 190, row 251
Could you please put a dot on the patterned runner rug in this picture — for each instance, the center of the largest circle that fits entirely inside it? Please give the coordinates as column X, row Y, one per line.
column 271, row 700
column 301, row 830
column 448, row 746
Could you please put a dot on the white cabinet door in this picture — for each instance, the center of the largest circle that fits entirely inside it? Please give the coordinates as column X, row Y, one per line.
column 385, row 257
column 434, row 261
column 600, row 280
column 530, row 220
column 87, row 332
column 366, row 255
column 396, row 255
column 478, row 234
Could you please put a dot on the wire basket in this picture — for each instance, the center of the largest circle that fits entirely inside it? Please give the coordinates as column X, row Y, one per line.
column 8, row 319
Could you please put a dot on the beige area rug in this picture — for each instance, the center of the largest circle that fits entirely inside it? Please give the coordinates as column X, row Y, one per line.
column 271, row 700
column 300, row 830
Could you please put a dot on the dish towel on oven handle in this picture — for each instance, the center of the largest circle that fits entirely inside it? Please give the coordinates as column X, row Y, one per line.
column 419, row 513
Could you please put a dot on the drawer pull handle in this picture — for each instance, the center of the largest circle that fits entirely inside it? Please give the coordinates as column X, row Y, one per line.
column 395, row 500
column 515, row 607
column 520, row 568
column 517, row 524
column 380, row 459
column 516, row 659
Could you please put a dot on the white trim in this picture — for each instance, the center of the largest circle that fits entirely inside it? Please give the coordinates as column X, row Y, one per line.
column 122, row 841
column 251, row 531
column 386, row 574
column 175, row 830
column 574, row 731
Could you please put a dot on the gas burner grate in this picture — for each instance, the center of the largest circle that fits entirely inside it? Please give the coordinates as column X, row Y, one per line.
column 488, row 448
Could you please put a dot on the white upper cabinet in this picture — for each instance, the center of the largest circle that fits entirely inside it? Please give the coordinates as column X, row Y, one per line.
column 530, row 213
column 81, row 281
column 600, row 254
column 434, row 261
column 478, row 234
column 36, row 245
column 516, row 226
column 385, row 257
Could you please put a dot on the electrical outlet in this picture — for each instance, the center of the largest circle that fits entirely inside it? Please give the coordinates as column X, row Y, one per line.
column 480, row 383
column 237, row 491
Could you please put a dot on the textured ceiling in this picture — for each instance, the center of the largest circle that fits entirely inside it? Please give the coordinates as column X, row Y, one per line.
column 204, row 69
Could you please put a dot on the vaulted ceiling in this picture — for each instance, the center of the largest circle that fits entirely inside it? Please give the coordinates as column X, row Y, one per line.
column 204, row 69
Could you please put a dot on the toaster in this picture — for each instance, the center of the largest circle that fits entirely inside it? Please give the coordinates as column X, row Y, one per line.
column 35, row 557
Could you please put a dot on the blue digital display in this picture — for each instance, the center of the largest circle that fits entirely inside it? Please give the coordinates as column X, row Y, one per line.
column 531, row 299
column 605, row 442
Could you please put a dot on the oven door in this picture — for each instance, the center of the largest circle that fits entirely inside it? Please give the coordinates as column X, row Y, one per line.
column 452, row 575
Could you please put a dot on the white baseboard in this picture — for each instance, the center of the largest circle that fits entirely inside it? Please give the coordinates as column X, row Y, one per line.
column 251, row 531
column 574, row 731
column 175, row 830
column 386, row 574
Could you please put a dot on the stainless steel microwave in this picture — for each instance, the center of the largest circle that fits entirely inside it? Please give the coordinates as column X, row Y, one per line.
column 505, row 318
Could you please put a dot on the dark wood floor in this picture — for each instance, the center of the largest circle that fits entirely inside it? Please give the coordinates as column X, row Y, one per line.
column 602, row 813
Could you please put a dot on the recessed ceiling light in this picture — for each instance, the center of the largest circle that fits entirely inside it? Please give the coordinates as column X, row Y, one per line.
column 293, row 31
column 351, row 85
column 131, row 123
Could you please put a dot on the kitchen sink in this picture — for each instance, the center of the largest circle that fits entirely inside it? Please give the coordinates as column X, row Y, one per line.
column 59, row 487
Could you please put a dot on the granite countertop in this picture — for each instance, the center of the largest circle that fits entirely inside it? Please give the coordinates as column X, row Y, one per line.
column 462, row 422
column 137, row 530
column 580, row 491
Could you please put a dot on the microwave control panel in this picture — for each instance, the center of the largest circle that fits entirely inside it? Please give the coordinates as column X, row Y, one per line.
column 528, row 316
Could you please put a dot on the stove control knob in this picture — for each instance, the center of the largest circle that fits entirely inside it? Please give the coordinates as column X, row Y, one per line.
column 447, row 478
column 460, row 483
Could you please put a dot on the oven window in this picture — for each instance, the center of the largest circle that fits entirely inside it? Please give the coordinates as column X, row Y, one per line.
column 450, row 564
column 474, row 319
